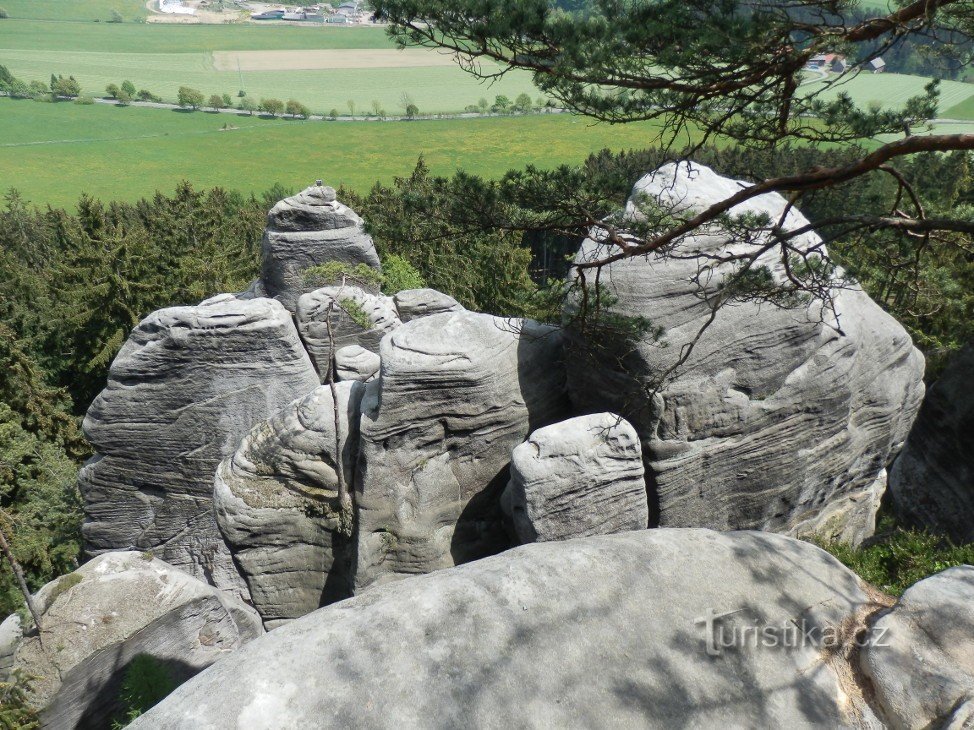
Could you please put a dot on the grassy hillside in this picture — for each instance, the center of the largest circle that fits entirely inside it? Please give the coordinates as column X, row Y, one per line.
column 963, row 110
column 892, row 90
column 53, row 153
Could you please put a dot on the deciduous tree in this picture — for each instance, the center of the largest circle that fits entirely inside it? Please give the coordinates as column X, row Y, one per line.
column 297, row 109
column 272, row 106
column 189, row 97
column 248, row 105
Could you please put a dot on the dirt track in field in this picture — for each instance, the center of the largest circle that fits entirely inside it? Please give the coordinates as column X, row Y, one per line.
column 318, row 60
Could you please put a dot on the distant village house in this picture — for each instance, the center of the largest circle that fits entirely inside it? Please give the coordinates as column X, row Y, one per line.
column 877, row 66
column 835, row 63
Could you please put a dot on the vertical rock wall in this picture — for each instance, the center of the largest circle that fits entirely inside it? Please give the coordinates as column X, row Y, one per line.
column 183, row 391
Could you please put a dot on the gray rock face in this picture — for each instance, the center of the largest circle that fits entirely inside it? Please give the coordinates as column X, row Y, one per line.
column 10, row 638
column 780, row 419
column 306, row 230
column 932, row 480
column 112, row 609
column 604, row 631
column 457, row 393
column 415, row 303
column 921, row 660
column 354, row 362
column 276, row 503
column 358, row 317
column 580, row 477
column 183, row 391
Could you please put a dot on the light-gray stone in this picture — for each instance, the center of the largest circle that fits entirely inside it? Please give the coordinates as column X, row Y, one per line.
column 597, row 632
column 354, row 362
column 357, row 317
column 779, row 419
column 932, row 480
column 11, row 634
column 186, row 387
column 276, row 503
column 309, row 229
column 457, row 392
column 114, row 608
column 580, row 477
column 414, row 303
column 920, row 656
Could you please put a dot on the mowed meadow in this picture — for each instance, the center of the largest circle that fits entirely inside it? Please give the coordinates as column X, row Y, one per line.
column 100, row 10
column 52, row 153
column 163, row 57
column 891, row 91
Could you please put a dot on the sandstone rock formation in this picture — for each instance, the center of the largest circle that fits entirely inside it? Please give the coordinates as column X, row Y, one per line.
column 305, row 230
column 183, row 391
column 921, row 661
column 458, row 391
column 114, row 608
column 354, row 362
column 932, row 480
column 607, row 631
column 779, row 419
column 580, row 477
column 11, row 634
column 357, row 317
column 276, row 502
column 414, row 303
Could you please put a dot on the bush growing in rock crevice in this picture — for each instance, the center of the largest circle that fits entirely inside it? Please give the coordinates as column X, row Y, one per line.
column 147, row 683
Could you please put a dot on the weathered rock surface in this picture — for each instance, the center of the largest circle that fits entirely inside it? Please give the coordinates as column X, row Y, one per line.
column 276, row 503
column 358, row 317
column 932, row 480
column 604, row 631
column 11, row 634
column 457, row 393
column 580, row 477
column 112, row 609
column 414, row 303
column 309, row 229
column 188, row 385
column 780, row 419
column 354, row 362
column 921, row 659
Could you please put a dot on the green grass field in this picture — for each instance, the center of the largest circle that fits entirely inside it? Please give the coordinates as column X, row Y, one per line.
column 963, row 110
column 54, row 152
column 162, row 58
column 100, row 10
column 878, row 6
column 892, row 90
column 434, row 89
column 39, row 35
